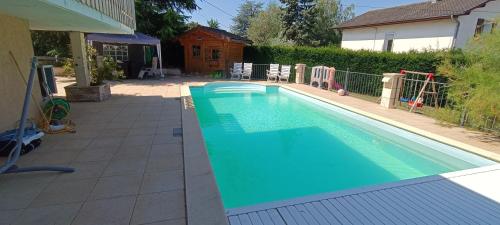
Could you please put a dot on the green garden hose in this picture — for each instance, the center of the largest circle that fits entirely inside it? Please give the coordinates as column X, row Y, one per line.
column 56, row 109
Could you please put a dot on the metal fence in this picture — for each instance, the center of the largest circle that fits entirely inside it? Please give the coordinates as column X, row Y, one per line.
column 359, row 84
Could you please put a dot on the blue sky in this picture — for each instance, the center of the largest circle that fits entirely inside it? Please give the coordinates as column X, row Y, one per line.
column 228, row 8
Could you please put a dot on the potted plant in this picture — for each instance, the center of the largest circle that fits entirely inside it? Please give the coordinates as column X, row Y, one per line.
column 99, row 89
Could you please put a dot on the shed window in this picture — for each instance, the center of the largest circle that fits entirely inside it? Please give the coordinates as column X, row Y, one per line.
column 484, row 26
column 117, row 52
column 389, row 42
column 196, row 51
column 215, row 54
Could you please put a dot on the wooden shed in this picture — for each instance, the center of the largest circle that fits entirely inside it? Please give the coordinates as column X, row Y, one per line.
column 207, row 49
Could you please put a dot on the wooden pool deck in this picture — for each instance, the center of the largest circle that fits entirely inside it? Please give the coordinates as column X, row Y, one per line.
column 463, row 197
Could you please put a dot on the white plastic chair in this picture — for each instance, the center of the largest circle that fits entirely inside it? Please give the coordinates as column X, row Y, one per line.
column 273, row 72
column 247, row 71
column 150, row 72
column 285, row 73
column 236, row 71
column 325, row 82
column 316, row 76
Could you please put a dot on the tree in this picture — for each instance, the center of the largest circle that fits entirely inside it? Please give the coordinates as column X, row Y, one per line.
column 213, row 23
column 51, row 43
column 164, row 19
column 192, row 25
column 241, row 22
column 298, row 20
column 475, row 81
column 266, row 28
column 330, row 14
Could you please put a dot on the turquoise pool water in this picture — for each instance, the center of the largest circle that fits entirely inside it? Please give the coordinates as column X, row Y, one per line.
column 268, row 144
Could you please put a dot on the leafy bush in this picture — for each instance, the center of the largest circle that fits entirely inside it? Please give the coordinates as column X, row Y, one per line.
column 475, row 81
column 108, row 71
column 343, row 59
column 69, row 67
column 219, row 74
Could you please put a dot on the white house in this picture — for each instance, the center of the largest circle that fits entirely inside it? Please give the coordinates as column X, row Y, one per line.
column 430, row 25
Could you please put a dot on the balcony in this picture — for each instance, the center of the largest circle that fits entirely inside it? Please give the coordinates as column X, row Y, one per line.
column 99, row 16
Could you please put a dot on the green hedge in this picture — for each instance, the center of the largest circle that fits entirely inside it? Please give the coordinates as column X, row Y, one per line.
column 343, row 59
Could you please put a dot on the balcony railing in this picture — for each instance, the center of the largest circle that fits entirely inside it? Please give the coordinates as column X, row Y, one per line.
column 122, row 11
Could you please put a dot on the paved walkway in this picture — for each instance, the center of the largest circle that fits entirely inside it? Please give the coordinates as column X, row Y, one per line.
column 129, row 166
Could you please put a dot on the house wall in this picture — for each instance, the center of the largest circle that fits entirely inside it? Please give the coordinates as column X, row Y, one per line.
column 468, row 22
column 430, row 35
column 16, row 37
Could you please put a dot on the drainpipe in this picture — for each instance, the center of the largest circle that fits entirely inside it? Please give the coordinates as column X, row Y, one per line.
column 375, row 38
column 455, row 19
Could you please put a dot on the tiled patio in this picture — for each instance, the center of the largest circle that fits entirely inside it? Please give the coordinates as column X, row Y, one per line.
column 129, row 166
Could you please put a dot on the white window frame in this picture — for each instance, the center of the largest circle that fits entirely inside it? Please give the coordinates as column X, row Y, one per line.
column 388, row 37
column 116, row 51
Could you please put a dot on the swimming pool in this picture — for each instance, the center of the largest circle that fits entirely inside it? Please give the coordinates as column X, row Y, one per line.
column 270, row 143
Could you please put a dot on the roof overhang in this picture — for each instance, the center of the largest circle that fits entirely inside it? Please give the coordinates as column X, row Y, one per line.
column 201, row 29
column 393, row 23
column 62, row 15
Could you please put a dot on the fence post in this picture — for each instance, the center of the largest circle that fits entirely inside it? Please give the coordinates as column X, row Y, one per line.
column 346, row 79
column 463, row 117
column 300, row 70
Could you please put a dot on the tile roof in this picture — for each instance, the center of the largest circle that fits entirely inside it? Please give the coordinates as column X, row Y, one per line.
column 414, row 12
column 220, row 32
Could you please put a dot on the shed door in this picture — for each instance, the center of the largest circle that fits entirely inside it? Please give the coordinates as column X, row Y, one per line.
column 197, row 59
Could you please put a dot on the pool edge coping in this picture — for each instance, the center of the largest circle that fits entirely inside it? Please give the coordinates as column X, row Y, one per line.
column 203, row 200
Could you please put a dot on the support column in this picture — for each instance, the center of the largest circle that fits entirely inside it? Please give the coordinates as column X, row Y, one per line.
column 390, row 92
column 300, row 70
column 80, row 58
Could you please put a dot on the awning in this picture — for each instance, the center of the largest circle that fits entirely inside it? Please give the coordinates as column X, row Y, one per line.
column 137, row 38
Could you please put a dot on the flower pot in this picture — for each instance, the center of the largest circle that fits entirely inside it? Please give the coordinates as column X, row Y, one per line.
column 96, row 93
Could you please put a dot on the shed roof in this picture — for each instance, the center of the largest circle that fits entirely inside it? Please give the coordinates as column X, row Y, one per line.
column 219, row 32
column 424, row 11
column 137, row 38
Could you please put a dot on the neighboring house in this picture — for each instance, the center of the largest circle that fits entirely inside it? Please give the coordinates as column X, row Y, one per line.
column 208, row 49
column 133, row 52
column 430, row 25
column 18, row 18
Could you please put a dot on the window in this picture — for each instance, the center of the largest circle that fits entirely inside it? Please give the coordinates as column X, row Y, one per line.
column 484, row 26
column 117, row 52
column 215, row 54
column 196, row 51
column 389, row 42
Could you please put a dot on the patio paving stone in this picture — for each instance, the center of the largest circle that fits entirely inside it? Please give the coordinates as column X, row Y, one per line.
column 65, row 192
column 116, row 211
column 168, row 163
column 159, row 207
column 125, row 167
column 96, row 154
column 162, row 181
column 116, row 186
column 53, row 215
